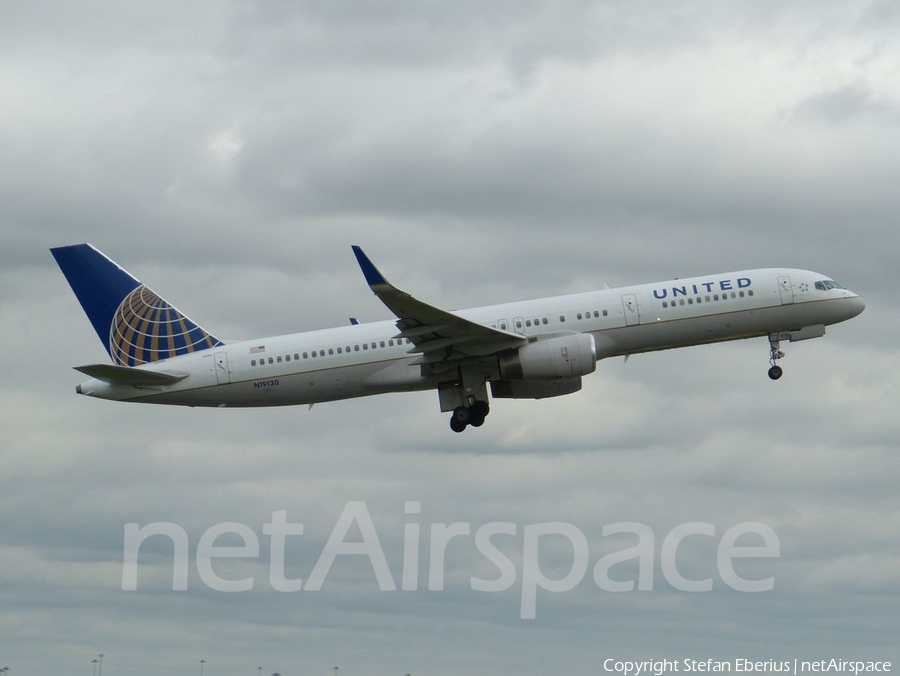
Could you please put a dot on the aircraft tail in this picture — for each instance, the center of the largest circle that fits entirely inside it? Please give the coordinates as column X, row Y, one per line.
column 134, row 324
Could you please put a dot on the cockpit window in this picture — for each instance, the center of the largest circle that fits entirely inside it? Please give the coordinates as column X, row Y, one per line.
column 827, row 285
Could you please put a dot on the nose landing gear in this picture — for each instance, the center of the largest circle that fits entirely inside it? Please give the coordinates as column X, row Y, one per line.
column 775, row 353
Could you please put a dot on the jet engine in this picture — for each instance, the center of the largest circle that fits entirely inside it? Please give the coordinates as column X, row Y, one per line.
column 565, row 356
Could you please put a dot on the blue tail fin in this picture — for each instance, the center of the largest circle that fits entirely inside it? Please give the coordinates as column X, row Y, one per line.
column 134, row 324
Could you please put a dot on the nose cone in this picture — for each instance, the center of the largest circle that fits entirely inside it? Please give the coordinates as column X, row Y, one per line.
column 857, row 305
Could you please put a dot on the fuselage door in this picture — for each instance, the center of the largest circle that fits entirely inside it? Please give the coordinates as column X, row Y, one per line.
column 223, row 374
column 630, row 306
column 503, row 324
column 519, row 324
column 786, row 290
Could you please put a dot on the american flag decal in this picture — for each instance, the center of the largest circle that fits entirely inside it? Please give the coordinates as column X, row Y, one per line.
column 257, row 349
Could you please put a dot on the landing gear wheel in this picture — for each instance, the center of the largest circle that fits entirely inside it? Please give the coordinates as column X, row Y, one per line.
column 480, row 409
column 776, row 372
column 462, row 415
column 478, row 412
column 473, row 415
column 460, row 419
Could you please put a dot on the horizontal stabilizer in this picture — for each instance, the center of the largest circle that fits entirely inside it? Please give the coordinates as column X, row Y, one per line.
column 124, row 375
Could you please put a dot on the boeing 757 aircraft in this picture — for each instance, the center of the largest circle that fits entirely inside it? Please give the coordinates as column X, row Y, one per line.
column 528, row 349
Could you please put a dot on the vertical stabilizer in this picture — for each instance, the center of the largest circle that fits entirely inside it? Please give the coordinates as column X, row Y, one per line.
column 134, row 324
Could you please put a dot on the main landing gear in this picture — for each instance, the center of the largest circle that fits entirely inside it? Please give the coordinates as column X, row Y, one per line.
column 775, row 353
column 473, row 415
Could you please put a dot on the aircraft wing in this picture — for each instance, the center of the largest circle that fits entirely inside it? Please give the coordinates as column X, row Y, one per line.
column 441, row 337
column 125, row 375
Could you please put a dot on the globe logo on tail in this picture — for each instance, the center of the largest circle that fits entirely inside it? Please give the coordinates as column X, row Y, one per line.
column 145, row 328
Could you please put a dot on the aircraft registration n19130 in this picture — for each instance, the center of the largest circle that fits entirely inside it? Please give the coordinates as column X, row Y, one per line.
column 529, row 349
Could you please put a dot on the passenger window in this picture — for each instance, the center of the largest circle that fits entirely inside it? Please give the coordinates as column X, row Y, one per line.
column 252, row 362
column 750, row 292
column 518, row 324
column 544, row 320
column 690, row 301
column 741, row 294
column 279, row 360
column 306, row 355
column 365, row 346
column 562, row 318
column 296, row 357
column 340, row 351
column 381, row 343
column 528, row 323
column 665, row 304
column 578, row 316
column 287, row 357
column 356, row 348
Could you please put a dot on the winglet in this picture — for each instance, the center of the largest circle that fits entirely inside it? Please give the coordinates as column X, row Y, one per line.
column 370, row 272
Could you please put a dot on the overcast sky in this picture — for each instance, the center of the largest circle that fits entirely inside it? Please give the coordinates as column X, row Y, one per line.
column 229, row 153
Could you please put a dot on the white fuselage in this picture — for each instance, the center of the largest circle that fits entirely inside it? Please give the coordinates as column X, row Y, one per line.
column 365, row 359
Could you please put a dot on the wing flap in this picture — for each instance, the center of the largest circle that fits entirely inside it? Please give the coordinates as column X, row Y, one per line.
column 124, row 375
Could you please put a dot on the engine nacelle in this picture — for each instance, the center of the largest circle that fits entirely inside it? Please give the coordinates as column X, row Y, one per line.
column 534, row 389
column 564, row 356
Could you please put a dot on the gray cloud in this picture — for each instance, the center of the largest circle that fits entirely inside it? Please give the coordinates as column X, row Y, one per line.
column 852, row 102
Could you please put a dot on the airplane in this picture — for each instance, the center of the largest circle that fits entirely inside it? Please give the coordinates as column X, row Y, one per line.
column 531, row 349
